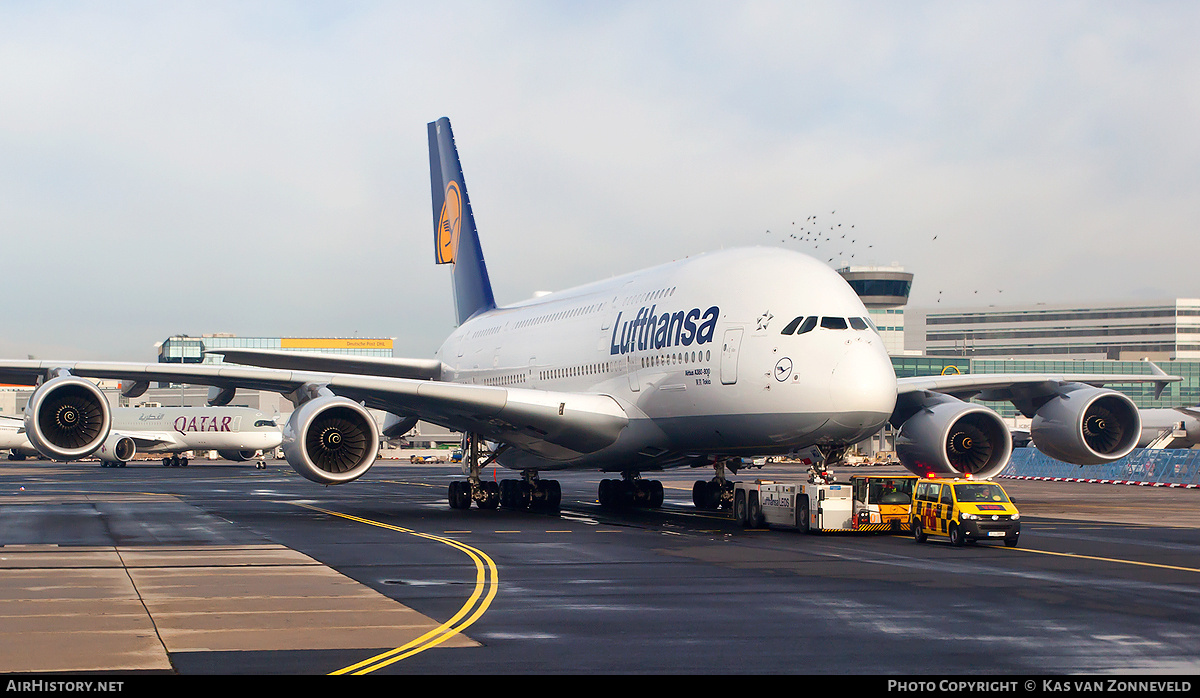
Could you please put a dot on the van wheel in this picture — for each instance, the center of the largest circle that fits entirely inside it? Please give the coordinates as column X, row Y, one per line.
column 956, row 538
column 918, row 531
column 1010, row 542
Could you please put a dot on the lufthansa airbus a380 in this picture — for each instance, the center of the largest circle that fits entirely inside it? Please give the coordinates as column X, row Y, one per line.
column 694, row 363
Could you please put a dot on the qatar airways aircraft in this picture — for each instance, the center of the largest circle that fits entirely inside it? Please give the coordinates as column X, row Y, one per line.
column 236, row 433
column 698, row 363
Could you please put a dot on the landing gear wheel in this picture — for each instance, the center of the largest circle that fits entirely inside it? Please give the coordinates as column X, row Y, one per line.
column 655, row 499
column 709, row 495
column 460, row 495
column 491, row 495
column 605, row 494
column 552, row 497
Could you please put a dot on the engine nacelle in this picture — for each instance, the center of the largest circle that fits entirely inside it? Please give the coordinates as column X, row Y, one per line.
column 1085, row 425
column 117, row 449
column 952, row 438
column 67, row 418
column 331, row 440
column 238, row 456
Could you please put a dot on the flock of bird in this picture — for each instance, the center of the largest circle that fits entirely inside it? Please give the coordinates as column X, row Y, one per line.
column 813, row 234
column 820, row 236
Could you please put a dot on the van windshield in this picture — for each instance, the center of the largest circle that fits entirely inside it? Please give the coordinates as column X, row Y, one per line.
column 979, row 492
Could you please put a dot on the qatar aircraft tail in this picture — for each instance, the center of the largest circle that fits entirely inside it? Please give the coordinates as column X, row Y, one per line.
column 455, row 239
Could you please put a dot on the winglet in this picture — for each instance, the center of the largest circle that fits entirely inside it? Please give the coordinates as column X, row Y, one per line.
column 456, row 240
column 1159, row 386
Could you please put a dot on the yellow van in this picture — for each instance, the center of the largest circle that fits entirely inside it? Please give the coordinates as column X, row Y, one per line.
column 964, row 511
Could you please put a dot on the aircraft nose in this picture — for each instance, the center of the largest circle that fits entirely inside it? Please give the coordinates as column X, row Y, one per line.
column 862, row 389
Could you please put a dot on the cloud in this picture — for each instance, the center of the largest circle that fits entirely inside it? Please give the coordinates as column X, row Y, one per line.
column 262, row 169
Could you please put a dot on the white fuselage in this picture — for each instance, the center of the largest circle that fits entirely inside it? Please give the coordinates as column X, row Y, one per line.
column 197, row 428
column 693, row 351
column 1155, row 420
column 175, row 430
column 12, row 438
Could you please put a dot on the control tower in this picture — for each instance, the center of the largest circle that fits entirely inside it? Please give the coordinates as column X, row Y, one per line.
column 884, row 290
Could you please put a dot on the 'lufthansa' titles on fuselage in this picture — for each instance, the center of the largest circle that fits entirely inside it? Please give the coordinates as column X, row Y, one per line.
column 651, row 331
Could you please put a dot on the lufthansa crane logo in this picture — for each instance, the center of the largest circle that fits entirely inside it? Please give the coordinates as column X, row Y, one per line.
column 448, row 224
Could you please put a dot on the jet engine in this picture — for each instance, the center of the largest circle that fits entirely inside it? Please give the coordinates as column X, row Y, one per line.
column 238, row 456
column 950, row 438
column 331, row 440
column 1085, row 425
column 67, row 418
column 117, row 449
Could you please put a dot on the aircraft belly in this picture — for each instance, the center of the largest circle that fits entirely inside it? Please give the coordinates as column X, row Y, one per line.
column 674, row 442
column 732, row 433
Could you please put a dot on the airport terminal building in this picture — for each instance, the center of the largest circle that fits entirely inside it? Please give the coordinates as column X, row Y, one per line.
column 1158, row 331
column 185, row 349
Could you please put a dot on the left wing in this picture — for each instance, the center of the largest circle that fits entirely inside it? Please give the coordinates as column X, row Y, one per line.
column 147, row 439
column 427, row 369
column 553, row 425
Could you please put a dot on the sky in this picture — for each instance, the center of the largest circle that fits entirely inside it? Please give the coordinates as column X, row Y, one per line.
column 261, row 168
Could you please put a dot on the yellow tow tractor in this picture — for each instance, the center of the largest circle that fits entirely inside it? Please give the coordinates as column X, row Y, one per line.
column 868, row 503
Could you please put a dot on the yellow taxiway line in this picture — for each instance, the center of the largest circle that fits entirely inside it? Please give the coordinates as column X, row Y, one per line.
column 486, row 584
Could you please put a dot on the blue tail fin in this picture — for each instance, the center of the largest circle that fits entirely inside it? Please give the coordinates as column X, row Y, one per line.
column 455, row 239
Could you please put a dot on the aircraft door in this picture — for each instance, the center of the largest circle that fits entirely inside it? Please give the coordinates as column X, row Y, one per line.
column 631, row 368
column 729, row 355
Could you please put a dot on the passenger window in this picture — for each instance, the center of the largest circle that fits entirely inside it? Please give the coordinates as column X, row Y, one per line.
column 791, row 326
column 858, row 323
column 833, row 323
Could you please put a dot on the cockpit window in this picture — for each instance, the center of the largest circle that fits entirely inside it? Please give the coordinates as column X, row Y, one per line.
column 833, row 323
column 858, row 323
column 804, row 324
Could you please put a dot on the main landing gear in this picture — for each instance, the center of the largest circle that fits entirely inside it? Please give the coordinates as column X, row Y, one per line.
column 631, row 491
column 528, row 493
column 175, row 461
column 714, row 494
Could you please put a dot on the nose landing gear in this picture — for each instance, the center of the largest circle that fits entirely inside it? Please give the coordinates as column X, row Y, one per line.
column 714, row 494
